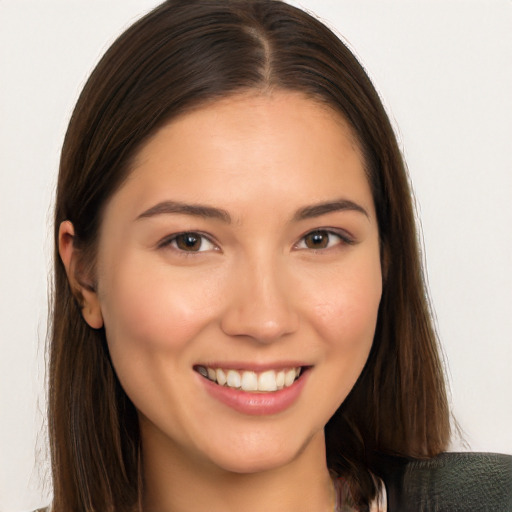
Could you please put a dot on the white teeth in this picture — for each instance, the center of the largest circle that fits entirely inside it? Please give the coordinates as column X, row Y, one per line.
column 249, row 381
column 267, row 381
column 221, row 377
column 233, row 379
column 280, row 379
column 289, row 377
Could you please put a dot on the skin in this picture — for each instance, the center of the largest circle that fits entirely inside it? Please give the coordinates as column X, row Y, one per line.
column 255, row 293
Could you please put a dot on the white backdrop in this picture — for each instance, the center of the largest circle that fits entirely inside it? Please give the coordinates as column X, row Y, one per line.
column 444, row 71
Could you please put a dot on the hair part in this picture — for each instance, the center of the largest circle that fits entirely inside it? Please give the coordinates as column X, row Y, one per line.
column 180, row 56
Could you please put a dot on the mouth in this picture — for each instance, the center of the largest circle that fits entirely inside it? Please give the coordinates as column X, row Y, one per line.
column 266, row 381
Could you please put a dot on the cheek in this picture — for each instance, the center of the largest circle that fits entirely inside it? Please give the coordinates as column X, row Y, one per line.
column 345, row 317
column 153, row 319
column 346, row 307
column 154, row 309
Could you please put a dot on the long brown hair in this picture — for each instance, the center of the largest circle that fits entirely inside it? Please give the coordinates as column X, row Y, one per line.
column 180, row 56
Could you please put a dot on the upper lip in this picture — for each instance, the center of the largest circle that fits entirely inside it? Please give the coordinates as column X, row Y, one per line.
column 252, row 366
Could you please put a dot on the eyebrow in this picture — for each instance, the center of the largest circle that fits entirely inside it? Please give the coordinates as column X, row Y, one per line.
column 209, row 212
column 317, row 210
column 196, row 210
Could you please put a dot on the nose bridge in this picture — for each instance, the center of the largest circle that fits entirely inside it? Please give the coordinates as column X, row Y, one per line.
column 261, row 303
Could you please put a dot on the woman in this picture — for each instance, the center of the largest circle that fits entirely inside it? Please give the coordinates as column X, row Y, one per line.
column 239, row 314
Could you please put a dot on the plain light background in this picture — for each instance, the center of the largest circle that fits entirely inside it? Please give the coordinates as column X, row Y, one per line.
column 444, row 71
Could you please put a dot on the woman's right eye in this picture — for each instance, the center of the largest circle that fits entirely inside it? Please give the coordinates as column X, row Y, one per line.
column 189, row 242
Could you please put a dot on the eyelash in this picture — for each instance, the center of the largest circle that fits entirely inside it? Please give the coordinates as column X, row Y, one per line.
column 343, row 239
column 173, row 241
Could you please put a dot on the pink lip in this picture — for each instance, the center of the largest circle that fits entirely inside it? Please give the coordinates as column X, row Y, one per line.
column 253, row 403
column 255, row 367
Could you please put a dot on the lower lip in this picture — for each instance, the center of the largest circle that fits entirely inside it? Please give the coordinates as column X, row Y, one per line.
column 256, row 404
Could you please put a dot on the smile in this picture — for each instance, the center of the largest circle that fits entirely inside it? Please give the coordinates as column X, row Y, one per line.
column 251, row 381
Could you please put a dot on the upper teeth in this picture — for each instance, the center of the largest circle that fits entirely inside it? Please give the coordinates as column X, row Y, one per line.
column 269, row 380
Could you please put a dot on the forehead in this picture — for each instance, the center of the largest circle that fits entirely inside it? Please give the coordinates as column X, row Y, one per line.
column 251, row 146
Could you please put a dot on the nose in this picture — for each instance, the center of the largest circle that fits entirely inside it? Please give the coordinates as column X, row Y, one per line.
column 260, row 304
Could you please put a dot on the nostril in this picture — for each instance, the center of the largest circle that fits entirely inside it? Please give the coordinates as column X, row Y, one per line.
column 253, row 324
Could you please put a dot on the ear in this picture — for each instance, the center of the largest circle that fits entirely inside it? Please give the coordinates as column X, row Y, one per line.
column 85, row 293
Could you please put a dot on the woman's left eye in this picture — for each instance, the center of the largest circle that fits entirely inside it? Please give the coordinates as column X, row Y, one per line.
column 321, row 239
column 189, row 242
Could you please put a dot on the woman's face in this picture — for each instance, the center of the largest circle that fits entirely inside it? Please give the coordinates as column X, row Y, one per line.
column 243, row 246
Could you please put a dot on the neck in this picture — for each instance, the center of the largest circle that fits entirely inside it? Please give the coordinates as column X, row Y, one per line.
column 176, row 482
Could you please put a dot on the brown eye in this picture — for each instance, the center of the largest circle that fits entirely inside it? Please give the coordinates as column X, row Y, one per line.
column 322, row 239
column 317, row 240
column 191, row 242
column 188, row 242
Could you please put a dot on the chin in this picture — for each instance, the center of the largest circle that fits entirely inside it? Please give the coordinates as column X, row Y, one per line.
column 251, row 463
column 259, row 456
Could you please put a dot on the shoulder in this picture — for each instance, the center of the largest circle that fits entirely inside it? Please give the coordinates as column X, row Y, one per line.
column 450, row 482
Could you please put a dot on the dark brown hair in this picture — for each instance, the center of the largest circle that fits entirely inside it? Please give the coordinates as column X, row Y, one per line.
column 180, row 56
